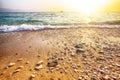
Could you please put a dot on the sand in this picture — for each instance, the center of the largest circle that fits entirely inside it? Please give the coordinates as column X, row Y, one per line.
column 61, row 54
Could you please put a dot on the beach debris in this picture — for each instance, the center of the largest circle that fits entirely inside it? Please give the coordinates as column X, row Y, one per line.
column 11, row 64
column 52, row 63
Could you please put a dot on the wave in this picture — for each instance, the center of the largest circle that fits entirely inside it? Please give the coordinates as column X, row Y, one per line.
column 26, row 27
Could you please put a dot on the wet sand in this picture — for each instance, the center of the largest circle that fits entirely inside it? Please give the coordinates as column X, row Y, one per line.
column 61, row 54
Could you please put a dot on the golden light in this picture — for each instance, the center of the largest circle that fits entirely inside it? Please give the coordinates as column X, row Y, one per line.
column 87, row 6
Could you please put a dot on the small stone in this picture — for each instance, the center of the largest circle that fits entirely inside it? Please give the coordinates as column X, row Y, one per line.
column 118, row 65
column 38, row 67
column 11, row 64
column 51, row 79
column 102, row 71
column 30, row 69
column 79, row 46
column 101, row 52
column 118, row 55
column 70, row 59
column 52, row 63
column 93, row 79
column 38, row 56
column 6, row 67
column 32, row 76
column 20, row 59
column 27, row 62
column 17, row 70
column 75, row 66
column 106, row 77
column 20, row 67
column 39, row 62
column 79, row 78
column 75, row 70
column 29, row 46
column 16, row 54
column 61, row 58
column 2, row 73
column 79, row 51
column 72, row 54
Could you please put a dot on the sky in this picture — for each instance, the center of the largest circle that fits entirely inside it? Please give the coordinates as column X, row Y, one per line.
column 62, row 5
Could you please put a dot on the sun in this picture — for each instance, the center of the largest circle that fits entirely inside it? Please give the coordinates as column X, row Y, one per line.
column 86, row 6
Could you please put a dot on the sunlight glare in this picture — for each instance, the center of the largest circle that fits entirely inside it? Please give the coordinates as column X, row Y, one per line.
column 86, row 6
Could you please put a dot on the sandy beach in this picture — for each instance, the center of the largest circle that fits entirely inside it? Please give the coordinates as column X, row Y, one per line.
column 61, row 54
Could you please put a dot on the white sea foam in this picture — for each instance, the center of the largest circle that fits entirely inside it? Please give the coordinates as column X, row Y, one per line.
column 23, row 27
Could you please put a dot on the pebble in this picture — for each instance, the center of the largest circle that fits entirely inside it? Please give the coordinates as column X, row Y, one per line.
column 11, row 64
column 75, row 70
column 79, row 46
column 70, row 59
column 72, row 54
column 17, row 70
column 38, row 56
column 79, row 51
column 101, row 52
column 52, row 63
column 20, row 67
column 32, row 76
column 38, row 67
column 61, row 58
column 118, row 55
column 79, row 78
column 39, row 62
column 27, row 62
column 118, row 65
column 20, row 59
column 106, row 77
column 75, row 66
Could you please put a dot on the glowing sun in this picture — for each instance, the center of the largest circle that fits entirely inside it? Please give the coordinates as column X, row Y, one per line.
column 86, row 6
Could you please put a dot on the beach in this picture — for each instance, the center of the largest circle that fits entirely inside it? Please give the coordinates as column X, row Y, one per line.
column 61, row 54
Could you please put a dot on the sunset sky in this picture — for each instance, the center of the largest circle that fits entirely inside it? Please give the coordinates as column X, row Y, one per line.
column 62, row 5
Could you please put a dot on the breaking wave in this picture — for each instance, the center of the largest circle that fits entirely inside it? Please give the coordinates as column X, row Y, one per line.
column 26, row 27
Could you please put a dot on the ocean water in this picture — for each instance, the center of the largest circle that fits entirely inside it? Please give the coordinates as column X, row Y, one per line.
column 18, row 21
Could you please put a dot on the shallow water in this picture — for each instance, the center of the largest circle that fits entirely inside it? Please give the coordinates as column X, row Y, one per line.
column 16, row 21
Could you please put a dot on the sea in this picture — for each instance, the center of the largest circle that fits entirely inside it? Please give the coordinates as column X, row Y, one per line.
column 22, row 21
